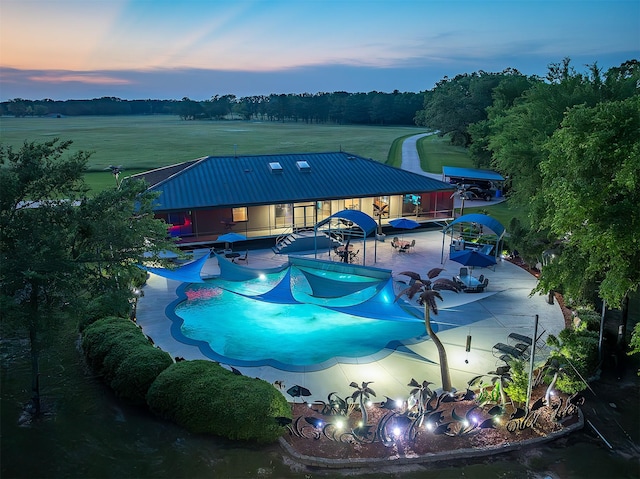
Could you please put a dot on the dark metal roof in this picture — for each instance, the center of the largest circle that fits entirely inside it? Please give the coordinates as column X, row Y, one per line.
column 228, row 181
column 471, row 173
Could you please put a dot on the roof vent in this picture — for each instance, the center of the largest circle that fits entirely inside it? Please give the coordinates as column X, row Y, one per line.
column 275, row 167
column 303, row 165
column 351, row 157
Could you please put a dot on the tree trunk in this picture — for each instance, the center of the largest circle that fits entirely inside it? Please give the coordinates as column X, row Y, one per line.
column 34, row 346
column 444, row 363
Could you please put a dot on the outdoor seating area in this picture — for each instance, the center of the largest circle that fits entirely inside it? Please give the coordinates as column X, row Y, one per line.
column 469, row 283
column 401, row 246
column 346, row 253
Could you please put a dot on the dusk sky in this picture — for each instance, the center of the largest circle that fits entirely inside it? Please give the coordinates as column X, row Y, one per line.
column 169, row 49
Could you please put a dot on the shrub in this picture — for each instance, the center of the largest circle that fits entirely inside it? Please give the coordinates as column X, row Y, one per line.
column 100, row 336
column 121, row 346
column 576, row 353
column 170, row 385
column 518, row 387
column 118, row 349
column 589, row 319
column 112, row 304
column 257, row 409
column 137, row 371
column 206, row 398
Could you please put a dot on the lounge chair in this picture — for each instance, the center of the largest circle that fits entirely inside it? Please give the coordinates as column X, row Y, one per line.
column 521, row 338
column 519, row 351
column 244, row 259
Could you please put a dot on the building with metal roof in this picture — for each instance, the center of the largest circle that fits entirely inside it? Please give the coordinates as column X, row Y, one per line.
column 454, row 174
column 271, row 195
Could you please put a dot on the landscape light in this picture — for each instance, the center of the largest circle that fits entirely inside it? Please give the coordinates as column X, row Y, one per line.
column 397, row 432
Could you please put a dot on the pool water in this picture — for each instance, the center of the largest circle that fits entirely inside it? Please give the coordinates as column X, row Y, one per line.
column 249, row 331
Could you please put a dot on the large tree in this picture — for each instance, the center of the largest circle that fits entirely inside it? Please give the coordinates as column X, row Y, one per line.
column 455, row 103
column 591, row 192
column 58, row 245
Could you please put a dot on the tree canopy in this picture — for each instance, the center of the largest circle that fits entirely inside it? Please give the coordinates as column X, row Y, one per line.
column 591, row 189
column 569, row 148
column 60, row 247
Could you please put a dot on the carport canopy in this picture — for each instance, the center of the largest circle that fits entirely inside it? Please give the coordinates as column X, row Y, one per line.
column 465, row 174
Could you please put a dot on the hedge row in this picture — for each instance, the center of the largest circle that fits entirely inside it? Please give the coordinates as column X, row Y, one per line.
column 118, row 350
column 201, row 396
column 204, row 397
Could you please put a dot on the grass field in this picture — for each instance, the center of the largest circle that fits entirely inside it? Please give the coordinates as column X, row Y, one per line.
column 139, row 143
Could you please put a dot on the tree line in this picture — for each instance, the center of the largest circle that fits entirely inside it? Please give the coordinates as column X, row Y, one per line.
column 373, row 108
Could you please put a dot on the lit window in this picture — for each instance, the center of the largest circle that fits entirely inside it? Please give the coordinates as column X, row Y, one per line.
column 240, row 214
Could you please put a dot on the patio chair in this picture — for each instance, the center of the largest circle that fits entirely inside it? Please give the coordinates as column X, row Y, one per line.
column 353, row 256
column 463, row 272
column 405, row 248
column 481, row 278
column 412, row 245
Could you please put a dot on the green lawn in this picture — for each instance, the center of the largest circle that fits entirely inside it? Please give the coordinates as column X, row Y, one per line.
column 436, row 152
column 503, row 212
column 139, row 143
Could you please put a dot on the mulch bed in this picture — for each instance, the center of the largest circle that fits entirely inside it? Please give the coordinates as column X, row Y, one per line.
column 314, row 443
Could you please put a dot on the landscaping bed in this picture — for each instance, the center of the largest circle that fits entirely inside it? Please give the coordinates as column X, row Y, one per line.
column 306, row 440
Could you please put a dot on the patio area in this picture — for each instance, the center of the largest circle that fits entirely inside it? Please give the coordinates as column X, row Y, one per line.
column 489, row 317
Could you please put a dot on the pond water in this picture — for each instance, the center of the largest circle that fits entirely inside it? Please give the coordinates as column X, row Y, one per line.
column 91, row 434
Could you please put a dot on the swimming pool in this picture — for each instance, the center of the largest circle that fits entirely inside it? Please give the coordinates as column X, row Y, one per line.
column 277, row 320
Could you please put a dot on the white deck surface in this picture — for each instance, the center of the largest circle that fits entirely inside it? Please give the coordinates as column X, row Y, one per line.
column 505, row 307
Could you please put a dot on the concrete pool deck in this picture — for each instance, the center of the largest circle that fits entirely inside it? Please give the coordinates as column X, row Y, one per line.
column 506, row 307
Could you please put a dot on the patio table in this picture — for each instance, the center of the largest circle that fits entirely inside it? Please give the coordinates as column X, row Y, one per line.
column 468, row 281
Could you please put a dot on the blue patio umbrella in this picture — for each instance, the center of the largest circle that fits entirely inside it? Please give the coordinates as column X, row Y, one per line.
column 404, row 223
column 231, row 238
column 472, row 258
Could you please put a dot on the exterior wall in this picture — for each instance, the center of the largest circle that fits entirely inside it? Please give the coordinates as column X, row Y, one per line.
column 274, row 220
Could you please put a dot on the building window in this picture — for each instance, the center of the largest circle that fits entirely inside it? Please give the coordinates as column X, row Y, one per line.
column 352, row 204
column 240, row 214
column 381, row 207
